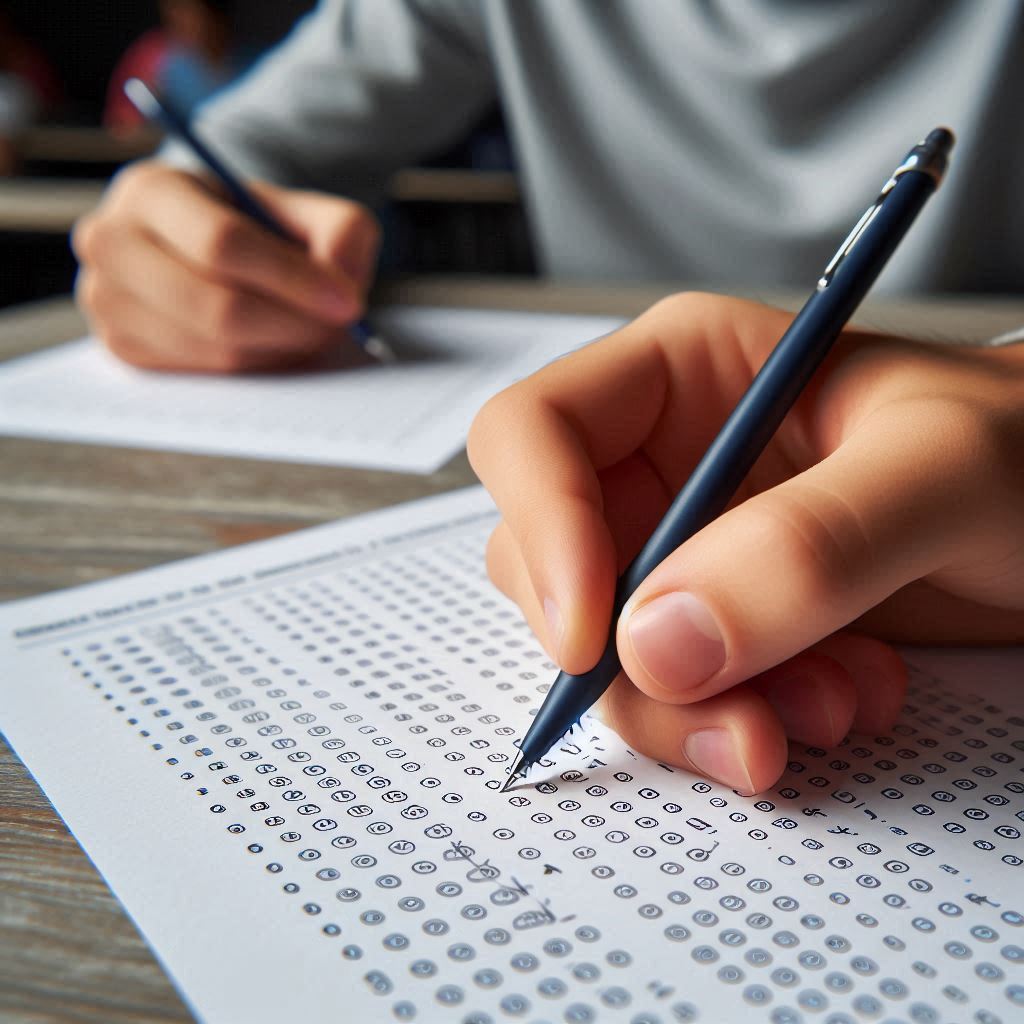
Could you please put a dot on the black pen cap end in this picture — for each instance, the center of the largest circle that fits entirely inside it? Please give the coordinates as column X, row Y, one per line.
column 931, row 155
column 940, row 139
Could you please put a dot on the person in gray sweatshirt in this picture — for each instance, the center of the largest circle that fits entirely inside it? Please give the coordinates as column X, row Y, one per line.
column 725, row 143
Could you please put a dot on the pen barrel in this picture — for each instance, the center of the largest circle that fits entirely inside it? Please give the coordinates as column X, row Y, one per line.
column 779, row 383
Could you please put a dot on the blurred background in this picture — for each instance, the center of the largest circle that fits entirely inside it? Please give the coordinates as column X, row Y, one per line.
column 65, row 128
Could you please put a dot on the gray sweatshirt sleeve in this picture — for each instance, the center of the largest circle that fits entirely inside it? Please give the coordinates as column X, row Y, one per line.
column 357, row 90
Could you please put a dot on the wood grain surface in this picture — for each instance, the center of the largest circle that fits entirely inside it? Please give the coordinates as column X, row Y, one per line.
column 52, row 205
column 73, row 513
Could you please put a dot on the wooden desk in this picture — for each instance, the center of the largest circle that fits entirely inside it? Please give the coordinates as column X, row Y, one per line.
column 81, row 144
column 52, row 205
column 74, row 513
column 46, row 206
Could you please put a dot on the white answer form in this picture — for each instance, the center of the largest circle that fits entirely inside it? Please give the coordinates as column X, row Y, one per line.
column 284, row 759
column 411, row 416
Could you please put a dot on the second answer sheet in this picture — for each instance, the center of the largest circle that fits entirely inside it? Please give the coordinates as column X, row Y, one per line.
column 409, row 417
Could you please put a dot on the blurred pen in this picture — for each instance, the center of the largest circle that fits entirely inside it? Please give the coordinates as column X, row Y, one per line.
column 156, row 108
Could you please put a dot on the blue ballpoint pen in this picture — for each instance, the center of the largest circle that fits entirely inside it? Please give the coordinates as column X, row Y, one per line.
column 753, row 422
column 157, row 108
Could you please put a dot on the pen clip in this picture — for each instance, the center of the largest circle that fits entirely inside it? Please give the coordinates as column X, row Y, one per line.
column 859, row 228
column 927, row 157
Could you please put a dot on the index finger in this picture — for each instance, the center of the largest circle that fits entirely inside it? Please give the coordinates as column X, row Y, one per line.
column 185, row 217
column 541, row 446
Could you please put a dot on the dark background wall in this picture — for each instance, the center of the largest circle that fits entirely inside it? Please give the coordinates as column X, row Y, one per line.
column 85, row 38
column 83, row 41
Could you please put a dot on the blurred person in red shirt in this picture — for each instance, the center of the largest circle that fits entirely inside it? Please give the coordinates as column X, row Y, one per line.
column 189, row 57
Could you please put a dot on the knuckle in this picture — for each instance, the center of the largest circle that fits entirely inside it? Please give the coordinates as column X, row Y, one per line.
column 494, row 420
column 83, row 237
column 686, row 304
column 349, row 226
column 820, row 542
column 673, row 320
column 739, row 328
column 96, row 237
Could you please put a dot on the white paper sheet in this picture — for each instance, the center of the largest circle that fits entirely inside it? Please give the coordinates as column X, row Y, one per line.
column 409, row 417
column 284, row 759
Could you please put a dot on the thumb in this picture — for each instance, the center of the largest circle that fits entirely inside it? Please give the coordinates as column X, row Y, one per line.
column 796, row 563
column 336, row 232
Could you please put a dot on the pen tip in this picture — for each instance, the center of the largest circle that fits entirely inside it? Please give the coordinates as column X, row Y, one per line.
column 516, row 772
column 380, row 349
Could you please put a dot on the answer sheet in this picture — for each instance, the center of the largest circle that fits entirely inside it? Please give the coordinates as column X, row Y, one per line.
column 411, row 416
column 284, row 759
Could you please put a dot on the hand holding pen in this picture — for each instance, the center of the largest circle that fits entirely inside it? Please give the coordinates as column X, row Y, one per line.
column 884, row 508
column 174, row 277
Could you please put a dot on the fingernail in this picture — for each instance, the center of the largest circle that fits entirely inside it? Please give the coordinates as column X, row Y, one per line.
column 714, row 752
column 676, row 640
column 555, row 627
